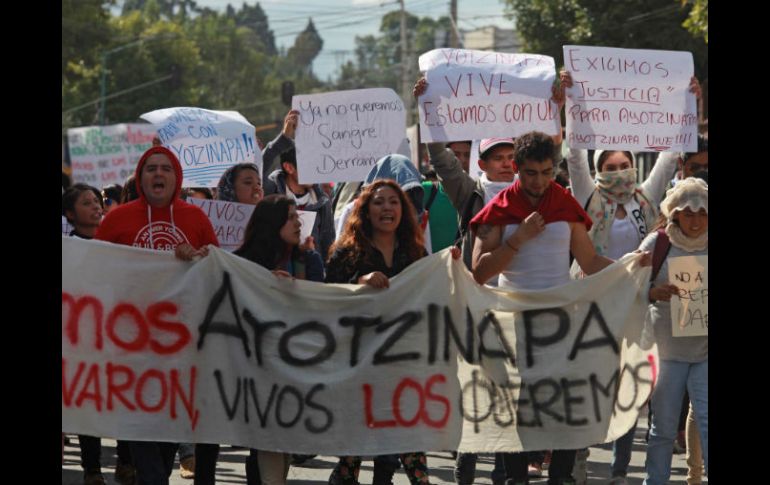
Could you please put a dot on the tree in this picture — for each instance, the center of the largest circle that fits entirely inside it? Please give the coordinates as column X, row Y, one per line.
column 698, row 20
column 306, row 46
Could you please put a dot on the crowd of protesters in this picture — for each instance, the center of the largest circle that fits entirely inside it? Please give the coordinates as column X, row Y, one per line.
column 514, row 227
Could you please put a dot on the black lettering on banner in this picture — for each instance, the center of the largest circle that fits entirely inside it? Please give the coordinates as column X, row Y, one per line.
column 473, row 385
column 324, row 353
column 225, row 328
column 543, row 341
column 313, row 405
column 610, row 391
column 506, row 398
column 639, row 218
column 522, row 404
column 279, row 407
column 358, row 324
column 490, row 319
column 569, row 401
column 449, row 328
column 626, row 371
column 262, row 414
column 408, row 320
column 433, row 310
column 260, row 329
column 230, row 410
column 608, row 339
column 539, row 406
column 639, row 379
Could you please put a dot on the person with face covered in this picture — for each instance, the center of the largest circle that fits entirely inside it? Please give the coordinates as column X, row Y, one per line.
column 683, row 360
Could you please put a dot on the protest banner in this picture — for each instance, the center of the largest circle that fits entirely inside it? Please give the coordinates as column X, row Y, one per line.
column 630, row 99
column 342, row 134
column 222, row 351
column 104, row 155
column 206, row 142
column 690, row 308
column 478, row 94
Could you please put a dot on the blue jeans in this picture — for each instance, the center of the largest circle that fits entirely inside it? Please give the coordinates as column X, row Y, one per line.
column 673, row 379
column 621, row 453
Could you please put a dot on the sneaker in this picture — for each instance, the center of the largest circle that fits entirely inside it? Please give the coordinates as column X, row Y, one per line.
column 547, row 459
column 187, row 467
column 125, row 474
column 534, row 470
column 93, row 478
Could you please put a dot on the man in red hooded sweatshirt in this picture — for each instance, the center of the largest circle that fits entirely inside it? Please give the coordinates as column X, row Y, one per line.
column 159, row 220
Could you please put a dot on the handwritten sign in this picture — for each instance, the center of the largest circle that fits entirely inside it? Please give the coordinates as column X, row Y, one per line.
column 630, row 99
column 206, row 142
column 308, row 219
column 690, row 308
column 341, row 135
column 478, row 94
column 220, row 351
column 104, row 155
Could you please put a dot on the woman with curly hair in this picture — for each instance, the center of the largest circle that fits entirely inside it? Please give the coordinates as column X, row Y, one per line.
column 380, row 239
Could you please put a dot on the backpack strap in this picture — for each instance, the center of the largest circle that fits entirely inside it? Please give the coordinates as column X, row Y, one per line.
column 465, row 218
column 432, row 196
column 659, row 254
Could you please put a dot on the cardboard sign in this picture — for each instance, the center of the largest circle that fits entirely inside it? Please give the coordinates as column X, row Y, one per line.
column 690, row 308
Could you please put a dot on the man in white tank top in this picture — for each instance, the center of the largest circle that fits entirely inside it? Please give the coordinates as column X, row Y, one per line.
column 525, row 235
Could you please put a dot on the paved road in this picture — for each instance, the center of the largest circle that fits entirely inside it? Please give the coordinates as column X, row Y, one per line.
column 230, row 469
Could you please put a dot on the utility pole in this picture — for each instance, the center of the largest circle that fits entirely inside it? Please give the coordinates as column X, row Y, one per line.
column 406, row 92
column 453, row 41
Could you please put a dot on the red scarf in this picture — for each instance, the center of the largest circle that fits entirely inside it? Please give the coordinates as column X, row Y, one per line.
column 511, row 206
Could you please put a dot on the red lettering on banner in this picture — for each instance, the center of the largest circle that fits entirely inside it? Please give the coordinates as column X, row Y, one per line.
column 397, row 402
column 151, row 329
column 187, row 401
column 117, row 390
column 370, row 422
column 143, row 332
column 440, row 378
column 95, row 395
column 139, row 393
column 68, row 392
column 76, row 308
column 155, row 312
column 424, row 394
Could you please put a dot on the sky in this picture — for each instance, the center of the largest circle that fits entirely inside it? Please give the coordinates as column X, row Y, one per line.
column 340, row 21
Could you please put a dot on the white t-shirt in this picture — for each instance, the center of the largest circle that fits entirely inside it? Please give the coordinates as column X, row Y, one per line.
column 623, row 238
column 542, row 262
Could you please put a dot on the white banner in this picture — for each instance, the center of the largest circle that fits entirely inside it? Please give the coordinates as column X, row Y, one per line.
column 341, row 135
column 630, row 99
column 690, row 308
column 206, row 142
column 478, row 94
column 222, row 351
column 104, row 155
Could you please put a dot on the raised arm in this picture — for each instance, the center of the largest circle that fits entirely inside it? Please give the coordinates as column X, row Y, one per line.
column 457, row 184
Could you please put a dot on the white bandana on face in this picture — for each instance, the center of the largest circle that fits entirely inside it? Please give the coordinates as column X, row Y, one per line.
column 617, row 186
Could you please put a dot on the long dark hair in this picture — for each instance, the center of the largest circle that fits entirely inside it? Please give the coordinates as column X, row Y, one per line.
column 70, row 197
column 358, row 232
column 262, row 241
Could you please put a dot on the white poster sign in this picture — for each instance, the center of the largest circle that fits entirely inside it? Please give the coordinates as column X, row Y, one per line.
column 104, row 155
column 478, row 94
column 341, row 135
column 690, row 308
column 206, row 142
column 630, row 99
